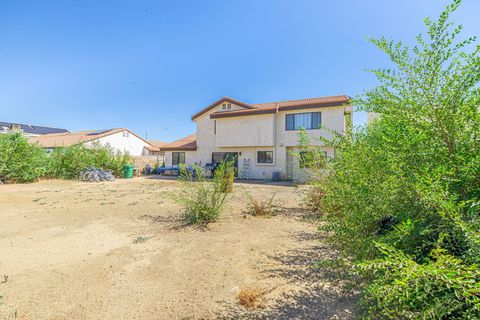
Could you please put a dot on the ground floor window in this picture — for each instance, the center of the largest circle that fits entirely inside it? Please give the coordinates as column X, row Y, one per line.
column 178, row 158
column 219, row 157
column 264, row 156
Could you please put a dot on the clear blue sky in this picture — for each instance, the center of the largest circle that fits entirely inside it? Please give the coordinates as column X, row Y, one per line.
column 149, row 65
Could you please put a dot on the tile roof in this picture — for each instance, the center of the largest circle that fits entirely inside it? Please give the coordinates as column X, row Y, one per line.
column 185, row 143
column 155, row 145
column 271, row 107
column 305, row 102
column 69, row 139
column 32, row 129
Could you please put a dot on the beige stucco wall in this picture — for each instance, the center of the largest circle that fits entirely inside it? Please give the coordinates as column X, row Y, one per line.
column 141, row 161
column 190, row 157
column 249, row 134
column 246, row 131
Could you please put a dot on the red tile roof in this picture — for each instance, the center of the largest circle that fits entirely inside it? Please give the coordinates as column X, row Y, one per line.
column 271, row 107
column 157, row 143
column 185, row 144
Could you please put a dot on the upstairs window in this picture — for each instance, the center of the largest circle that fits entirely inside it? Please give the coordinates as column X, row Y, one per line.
column 308, row 121
column 126, row 134
column 227, row 106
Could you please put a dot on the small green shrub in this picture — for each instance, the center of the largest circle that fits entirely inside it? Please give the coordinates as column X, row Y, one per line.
column 202, row 199
column 21, row 161
column 267, row 207
column 313, row 197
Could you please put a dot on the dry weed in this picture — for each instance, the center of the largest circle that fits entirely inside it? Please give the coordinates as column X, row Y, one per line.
column 251, row 298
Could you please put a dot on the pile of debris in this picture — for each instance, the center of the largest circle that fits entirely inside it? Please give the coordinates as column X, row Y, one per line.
column 96, row 175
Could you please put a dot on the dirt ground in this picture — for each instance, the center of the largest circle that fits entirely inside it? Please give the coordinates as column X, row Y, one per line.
column 76, row 250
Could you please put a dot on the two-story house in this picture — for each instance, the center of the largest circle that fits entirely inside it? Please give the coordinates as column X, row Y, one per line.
column 262, row 137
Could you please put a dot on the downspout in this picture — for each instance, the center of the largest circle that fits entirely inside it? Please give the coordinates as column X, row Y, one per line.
column 275, row 116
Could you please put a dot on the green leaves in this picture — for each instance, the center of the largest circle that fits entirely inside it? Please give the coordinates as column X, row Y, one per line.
column 402, row 196
column 443, row 288
column 21, row 161
column 68, row 162
column 203, row 199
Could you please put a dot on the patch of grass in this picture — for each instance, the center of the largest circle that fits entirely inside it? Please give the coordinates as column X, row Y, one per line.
column 140, row 239
column 251, row 298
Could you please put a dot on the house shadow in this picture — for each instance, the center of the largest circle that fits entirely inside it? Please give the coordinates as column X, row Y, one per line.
column 282, row 183
column 169, row 223
column 160, row 177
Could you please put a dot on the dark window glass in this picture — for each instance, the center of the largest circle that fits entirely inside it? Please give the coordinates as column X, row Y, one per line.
column 178, row 158
column 290, row 122
column 308, row 121
column 264, row 156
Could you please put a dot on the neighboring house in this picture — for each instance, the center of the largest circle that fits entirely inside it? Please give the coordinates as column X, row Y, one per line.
column 119, row 139
column 264, row 135
column 28, row 130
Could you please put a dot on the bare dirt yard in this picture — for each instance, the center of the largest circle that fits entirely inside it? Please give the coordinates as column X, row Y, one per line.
column 120, row 250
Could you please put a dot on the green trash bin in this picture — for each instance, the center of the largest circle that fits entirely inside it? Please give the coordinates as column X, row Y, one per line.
column 127, row 171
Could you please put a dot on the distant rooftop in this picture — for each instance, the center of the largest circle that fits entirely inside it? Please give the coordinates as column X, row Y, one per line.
column 65, row 139
column 31, row 129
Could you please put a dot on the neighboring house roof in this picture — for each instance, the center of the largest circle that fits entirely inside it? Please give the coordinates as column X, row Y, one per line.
column 271, row 107
column 184, row 144
column 69, row 139
column 32, row 129
column 155, row 145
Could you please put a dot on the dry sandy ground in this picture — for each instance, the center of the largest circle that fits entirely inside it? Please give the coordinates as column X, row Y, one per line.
column 75, row 250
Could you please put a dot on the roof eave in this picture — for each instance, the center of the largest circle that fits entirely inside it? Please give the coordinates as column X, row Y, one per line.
column 178, row 149
column 228, row 99
column 235, row 113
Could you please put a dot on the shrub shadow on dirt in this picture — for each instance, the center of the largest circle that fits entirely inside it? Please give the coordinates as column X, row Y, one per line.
column 315, row 295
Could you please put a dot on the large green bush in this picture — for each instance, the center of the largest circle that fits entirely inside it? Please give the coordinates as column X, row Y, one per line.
column 68, row 162
column 20, row 161
column 410, row 181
